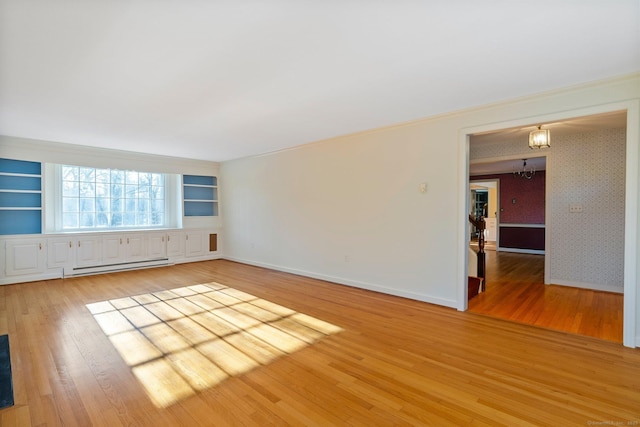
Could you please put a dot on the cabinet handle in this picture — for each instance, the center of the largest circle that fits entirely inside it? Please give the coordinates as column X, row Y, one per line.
column 70, row 245
column 121, row 240
column 187, row 237
column 127, row 240
column 168, row 238
column 40, row 246
column 78, row 243
column 163, row 238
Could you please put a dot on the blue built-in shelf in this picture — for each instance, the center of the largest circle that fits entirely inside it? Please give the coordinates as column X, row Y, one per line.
column 200, row 195
column 20, row 197
column 20, row 166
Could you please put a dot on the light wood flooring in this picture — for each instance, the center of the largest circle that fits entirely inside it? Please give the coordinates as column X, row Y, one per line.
column 515, row 291
column 116, row 350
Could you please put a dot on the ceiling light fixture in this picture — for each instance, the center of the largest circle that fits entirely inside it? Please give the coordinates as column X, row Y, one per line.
column 539, row 138
column 524, row 173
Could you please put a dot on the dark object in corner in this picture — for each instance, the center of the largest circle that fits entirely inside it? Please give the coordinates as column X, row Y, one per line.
column 475, row 286
column 6, row 382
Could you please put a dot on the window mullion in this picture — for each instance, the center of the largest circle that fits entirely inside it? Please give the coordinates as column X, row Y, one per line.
column 109, row 198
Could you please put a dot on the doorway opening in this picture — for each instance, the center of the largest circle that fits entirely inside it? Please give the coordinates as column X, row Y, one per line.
column 544, row 271
column 484, row 201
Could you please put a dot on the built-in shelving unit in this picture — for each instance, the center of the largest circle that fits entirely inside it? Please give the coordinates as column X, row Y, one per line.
column 20, row 197
column 26, row 258
column 200, row 195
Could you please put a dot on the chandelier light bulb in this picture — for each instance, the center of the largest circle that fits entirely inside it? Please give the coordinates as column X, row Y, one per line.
column 540, row 138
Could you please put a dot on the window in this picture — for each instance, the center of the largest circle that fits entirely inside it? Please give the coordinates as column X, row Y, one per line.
column 109, row 198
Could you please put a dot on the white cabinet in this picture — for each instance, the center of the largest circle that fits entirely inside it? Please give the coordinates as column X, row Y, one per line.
column 112, row 249
column 59, row 252
column 134, row 247
column 39, row 257
column 175, row 244
column 117, row 248
column 25, row 256
column 194, row 243
column 88, row 250
column 156, row 245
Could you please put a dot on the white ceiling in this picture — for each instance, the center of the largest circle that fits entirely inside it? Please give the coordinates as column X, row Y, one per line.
column 218, row 80
column 520, row 135
column 508, row 166
column 612, row 120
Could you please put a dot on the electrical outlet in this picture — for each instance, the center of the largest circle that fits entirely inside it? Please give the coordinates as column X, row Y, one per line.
column 576, row 209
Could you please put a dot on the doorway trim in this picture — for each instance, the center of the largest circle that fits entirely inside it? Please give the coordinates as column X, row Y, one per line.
column 632, row 218
column 495, row 181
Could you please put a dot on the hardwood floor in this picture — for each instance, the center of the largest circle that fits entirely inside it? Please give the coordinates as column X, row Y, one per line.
column 515, row 291
column 117, row 349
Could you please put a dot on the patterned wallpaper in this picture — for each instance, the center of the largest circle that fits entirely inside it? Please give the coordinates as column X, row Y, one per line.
column 583, row 170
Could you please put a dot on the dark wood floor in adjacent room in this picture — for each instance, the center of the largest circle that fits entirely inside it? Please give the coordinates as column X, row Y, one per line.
column 360, row 358
column 515, row 291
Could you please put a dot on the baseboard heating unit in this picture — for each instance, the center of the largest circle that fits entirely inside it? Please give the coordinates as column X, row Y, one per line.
column 110, row 268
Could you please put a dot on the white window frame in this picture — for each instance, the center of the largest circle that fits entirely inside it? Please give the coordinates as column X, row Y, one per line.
column 53, row 218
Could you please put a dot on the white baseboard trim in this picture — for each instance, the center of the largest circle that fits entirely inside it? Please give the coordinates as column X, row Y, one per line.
column 195, row 259
column 11, row 280
column 583, row 285
column 521, row 251
column 348, row 282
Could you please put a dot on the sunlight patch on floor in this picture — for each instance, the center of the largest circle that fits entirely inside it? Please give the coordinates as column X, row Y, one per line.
column 184, row 340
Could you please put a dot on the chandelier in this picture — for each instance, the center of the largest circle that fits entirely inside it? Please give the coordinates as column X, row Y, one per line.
column 524, row 172
column 539, row 138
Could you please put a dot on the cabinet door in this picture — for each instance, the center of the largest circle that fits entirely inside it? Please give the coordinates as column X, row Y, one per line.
column 25, row 257
column 59, row 252
column 112, row 249
column 194, row 244
column 88, row 250
column 135, row 250
column 156, row 245
column 175, row 244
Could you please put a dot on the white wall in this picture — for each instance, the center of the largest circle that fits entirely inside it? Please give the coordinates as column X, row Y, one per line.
column 586, row 169
column 331, row 210
column 306, row 209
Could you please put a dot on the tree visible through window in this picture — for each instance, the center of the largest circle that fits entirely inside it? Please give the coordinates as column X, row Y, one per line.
column 110, row 198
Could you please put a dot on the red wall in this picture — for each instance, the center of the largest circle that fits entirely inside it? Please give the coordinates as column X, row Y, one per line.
column 522, row 238
column 527, row 209
column 528, row 194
